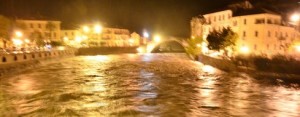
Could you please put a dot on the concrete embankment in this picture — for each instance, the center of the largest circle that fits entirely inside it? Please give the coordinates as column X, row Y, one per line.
column 106, row 50
column 229, row 66
column 11, row 63
column 225, row 65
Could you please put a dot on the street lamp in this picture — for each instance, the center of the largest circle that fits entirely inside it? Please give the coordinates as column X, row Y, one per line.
column 146, row 34
column 157, row 38
column 244, row 50
column 17, row 42
column 86, row 29
column 19, row 33
column 78, row 39
column 295, row 17
column 298, row 48
column 98, row 29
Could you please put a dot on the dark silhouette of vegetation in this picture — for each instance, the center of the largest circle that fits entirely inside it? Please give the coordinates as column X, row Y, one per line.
column 193, row 48
column 277, row 64
column 219, row 40
column 50, row 26
column 38, row 38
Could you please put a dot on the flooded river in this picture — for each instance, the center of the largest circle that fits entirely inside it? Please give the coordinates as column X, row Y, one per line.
column 153, row 85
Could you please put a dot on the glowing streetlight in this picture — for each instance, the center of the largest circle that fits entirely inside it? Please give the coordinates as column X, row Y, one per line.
column 66, row 39
column 298, row 48
column 131, row 41
column 157, row 38
column 146, row 34
column 78, row 39
column 19, row 33
column 244, row 50
column 295, row 18
column 27, row 41
column 98, row 28
column 17, row 42
column 86, row 29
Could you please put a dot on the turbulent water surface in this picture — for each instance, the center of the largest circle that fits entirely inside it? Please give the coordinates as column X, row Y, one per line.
column 143, row 85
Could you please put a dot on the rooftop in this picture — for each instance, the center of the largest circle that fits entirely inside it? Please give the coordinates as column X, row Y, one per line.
column 244, row 8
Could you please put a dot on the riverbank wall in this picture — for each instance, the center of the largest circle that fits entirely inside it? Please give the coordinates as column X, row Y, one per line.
column 222, row 64
column 11, row 63
column 106, row 50
column 284, row 71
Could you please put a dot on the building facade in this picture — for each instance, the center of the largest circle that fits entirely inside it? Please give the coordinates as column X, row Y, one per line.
column 71, row 37
column 41, row 29
column 97, row 36
column 261, row 31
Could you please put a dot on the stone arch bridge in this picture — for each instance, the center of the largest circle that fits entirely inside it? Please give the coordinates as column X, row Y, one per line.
column 167, row 46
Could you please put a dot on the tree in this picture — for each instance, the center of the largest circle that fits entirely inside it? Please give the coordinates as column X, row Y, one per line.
column 50, row 26
column 220, row 40
column 38, row 38
column 193, row 47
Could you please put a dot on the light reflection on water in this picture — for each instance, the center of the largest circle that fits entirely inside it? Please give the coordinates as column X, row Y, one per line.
column 142, row 85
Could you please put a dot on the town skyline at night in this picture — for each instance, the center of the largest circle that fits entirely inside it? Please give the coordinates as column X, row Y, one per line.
column 154, row 16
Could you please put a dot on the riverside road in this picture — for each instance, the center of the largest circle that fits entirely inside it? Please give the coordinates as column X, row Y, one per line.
column 165, row 85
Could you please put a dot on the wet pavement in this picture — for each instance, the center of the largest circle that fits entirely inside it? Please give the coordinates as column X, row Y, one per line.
column 165, row 85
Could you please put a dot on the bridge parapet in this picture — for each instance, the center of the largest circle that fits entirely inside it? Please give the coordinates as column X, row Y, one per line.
column 23, row 57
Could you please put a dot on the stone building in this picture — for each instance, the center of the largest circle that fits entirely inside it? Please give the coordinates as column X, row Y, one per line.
column 261, row 31
column 107, row 37
column 43, row 29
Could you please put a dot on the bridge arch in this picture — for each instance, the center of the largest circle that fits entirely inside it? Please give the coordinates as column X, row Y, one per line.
column 168, row 46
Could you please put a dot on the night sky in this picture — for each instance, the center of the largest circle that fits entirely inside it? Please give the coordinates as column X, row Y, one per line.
column 167, row 17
